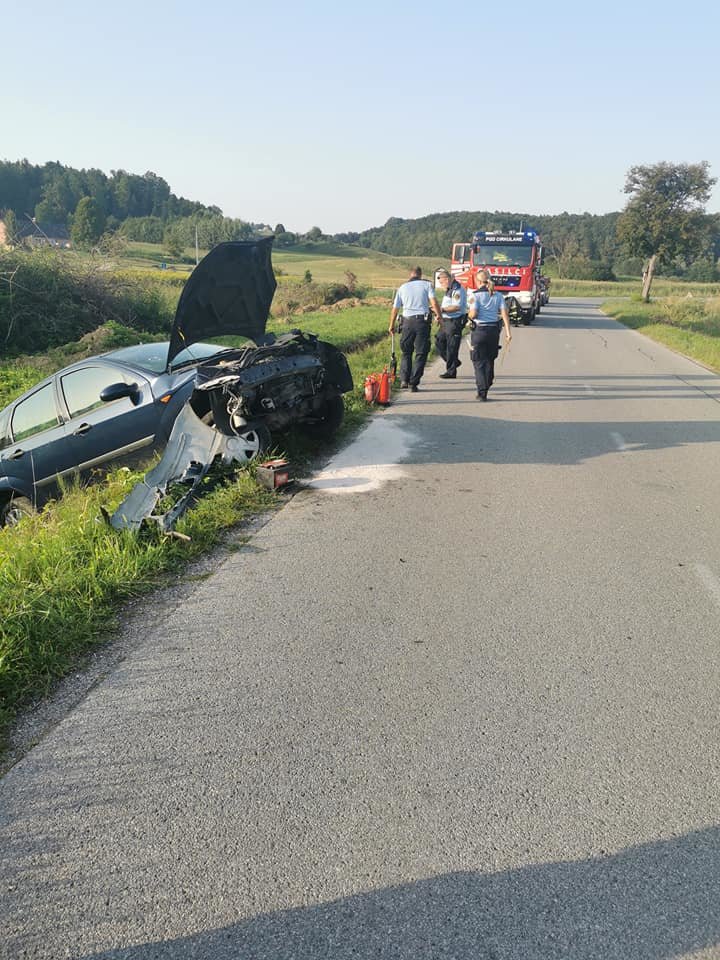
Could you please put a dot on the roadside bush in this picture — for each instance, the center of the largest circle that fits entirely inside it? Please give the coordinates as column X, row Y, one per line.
column 49, row 298
column 628, row 267
column 700, row 315
column 16, row 379
column 293, row 297
column 702, row 271
column 580, row 269
column 335, row 291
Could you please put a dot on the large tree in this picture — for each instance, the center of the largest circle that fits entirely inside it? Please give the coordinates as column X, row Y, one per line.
column 665, row 215
column 88, row 223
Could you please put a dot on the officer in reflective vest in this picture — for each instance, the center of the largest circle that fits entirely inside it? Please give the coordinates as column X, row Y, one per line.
column 454, row 317
column 416, row 298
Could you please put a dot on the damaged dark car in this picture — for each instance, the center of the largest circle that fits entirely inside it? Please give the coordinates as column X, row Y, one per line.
column 241, row 394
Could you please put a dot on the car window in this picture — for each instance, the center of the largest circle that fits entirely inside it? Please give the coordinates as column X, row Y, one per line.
column 5, row 438
column 82, row 388
column 149, row 356
column 153, row 356
column 35, row 414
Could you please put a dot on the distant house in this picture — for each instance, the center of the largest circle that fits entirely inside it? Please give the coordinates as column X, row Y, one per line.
column 43, row 234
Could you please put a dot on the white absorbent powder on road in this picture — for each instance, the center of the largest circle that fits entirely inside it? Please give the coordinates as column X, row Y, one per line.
column 370, row 461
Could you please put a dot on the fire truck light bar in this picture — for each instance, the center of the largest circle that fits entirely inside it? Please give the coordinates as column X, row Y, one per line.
column 512, row 236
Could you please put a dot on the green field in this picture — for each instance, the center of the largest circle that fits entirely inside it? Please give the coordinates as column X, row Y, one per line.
column 327, row 262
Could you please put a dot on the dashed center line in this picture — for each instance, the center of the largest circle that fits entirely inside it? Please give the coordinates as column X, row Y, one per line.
column 709, row 580
column 619, row 441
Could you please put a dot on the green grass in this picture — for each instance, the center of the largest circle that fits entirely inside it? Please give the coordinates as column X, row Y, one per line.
column 346, row 329
column 16, row 379
column 629, row 288
column 689, row 325
column 64, row 572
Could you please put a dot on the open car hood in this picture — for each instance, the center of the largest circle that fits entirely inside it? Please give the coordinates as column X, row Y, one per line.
column 228, row 292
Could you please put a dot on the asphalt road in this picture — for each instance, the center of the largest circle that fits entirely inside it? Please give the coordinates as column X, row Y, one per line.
column 457, row 700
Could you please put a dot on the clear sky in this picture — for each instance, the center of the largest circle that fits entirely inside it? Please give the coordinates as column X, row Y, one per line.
column 342, row 115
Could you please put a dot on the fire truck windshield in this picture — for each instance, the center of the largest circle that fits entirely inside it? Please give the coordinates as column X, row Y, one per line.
column 502, row 255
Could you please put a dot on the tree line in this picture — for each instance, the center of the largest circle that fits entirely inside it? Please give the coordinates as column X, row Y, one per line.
column 663, row 228
column 51, row 192
column 580, row 246
column 90, row 204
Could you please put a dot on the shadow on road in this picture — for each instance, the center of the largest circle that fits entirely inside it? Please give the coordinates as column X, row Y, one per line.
column 523, row 389
column 650, row 902
column 458, row 438
column 565, row 316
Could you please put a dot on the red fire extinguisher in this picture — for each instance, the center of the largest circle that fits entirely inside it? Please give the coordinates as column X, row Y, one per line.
column 383, row 394
column 371, row 388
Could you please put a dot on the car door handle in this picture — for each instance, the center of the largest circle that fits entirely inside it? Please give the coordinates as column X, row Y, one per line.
column 83, row 428
column 16, row 454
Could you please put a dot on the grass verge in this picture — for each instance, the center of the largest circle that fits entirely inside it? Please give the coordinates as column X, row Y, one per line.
column 630, row 288
column 64, row 573
column 690, row 326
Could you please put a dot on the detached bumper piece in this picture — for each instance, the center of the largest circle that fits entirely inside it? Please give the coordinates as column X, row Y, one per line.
column 192, row 449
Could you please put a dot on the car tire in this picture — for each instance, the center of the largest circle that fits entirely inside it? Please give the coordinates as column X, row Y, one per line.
column 255, row 438
column 14, row 509
column 327, row 425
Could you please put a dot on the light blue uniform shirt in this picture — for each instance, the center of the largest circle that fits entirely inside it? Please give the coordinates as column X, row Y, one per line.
column 413, row 297
column 455, row 300
column 488, row 307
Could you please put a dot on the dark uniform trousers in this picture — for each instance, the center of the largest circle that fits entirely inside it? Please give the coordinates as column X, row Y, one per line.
column 415, row 337
column 485, row 345
column 447, row 341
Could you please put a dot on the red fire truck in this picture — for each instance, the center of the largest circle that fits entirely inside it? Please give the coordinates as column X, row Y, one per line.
column 513, row 259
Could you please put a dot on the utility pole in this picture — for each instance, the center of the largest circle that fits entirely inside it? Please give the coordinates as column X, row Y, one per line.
column 197, row 258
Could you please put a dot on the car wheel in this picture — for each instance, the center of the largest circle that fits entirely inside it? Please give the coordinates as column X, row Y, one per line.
column 254, row 440
column 14, row 509
column 327, row 425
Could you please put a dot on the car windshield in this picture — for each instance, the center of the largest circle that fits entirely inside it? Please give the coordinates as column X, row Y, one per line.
column 502, row 255
column 153, row 356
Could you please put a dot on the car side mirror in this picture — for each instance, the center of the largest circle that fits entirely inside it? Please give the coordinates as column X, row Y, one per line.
column 116, row 391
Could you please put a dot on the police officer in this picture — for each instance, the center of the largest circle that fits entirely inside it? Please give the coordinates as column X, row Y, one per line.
column 454, row 318
column 416, row 297
column 486, row 308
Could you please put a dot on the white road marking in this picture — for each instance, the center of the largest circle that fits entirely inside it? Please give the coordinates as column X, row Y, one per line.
column 370, row 461
column 709, row 580
column 619, row 441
